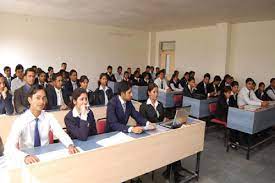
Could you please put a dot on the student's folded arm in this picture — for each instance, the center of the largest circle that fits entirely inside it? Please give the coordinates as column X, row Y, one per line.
column 80, row 132
column 59, row 132
column 11, row 146
column 137, row 116
column 113, row 121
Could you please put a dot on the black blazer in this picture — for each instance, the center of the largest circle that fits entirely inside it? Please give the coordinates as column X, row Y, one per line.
column 68, row 87
column 6, row 106
column 187, row 92
column 233, row 101
column 52, row 98
column 222, row 108
column 200, row 89
column 183, row 82
column 136, row 81
column 144, row 83
column 78, row 128
column 116, row 118
column 149, row 113
column 91, row 97
column 212, row 88
column 99, row 97
column 261, row 96
column 111, row 77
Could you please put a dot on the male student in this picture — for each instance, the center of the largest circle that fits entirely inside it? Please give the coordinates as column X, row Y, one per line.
column 203, row 86
column 270, row 90
column 64, row 68
column 110, row 74
column 19, row 80
column 32, row 128
column 9, row 78
column 247, row 96
column 49, row 74
column 214, row 87
column 120, row 108
column 21, row 95
column 72, row 84
column 6, row 106
column 161, row 81
column 119, row 74
column 190, row 89
column 233, row 100
column 57, row 99
column 147, row 71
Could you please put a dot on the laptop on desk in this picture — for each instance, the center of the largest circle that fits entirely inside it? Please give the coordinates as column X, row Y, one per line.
column 179, row 119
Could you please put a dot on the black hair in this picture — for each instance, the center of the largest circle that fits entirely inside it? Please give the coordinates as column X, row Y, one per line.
column 261, row 84
column 162, row 71
column 192, row 72
column 119, row 67
column 29, row 70
column 19, row 67
column 186, row 73
column 76, row 93
column 34, row 89
column 227, row 89
column 83, row 78
column 109, row 67
column 207, row 75
column 56, row 75
column 272, row 79
column 100, row 77
column 34, row 66
column 148, row 67
column 249, row 80
column 64, row 63
column 191, row 79
column 126, row 72
column 41, row 72
column 50, row 68
column 123, row 88
column 234, row 83
column 72, row 71
column 227, row 76
column 6, row 68
column 217, row 78
column 151, row 86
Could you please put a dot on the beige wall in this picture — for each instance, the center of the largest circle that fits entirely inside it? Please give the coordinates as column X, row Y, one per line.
column 244, row 50
column 88, row 48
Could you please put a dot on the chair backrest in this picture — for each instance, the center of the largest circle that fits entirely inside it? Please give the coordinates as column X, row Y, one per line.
column 101, row 125
column 177, row 100
column 212, row 108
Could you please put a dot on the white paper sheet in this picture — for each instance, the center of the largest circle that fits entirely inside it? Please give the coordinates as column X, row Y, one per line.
column 115, row 139
column 53, row 155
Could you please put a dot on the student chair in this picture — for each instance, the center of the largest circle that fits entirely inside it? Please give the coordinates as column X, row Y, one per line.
column 178, row 100
column 213, row 109
column 101, row 125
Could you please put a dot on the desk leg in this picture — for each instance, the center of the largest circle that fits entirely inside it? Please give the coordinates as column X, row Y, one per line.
column 198, row 165
column 248, row 146
column 172, row 175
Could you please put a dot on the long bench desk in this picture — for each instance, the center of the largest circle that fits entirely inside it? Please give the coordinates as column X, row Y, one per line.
column 139, row 92
column 116, row 163
column 199, row 108
column 6, row 121
column 250, row 121
column 167, row 98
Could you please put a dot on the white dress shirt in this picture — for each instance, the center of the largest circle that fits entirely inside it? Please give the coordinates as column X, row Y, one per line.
column 105, row 95
column 74, row 84
column 271, row 94
column 59, row 96
column 119, row 77
column 246, row 97
column 22, row 133
column 123, row 103
column 15, row 84
column 158, row 82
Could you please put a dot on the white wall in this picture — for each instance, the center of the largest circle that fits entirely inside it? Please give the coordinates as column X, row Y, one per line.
column 253, row 51
column 243, row 50
column 88, row 48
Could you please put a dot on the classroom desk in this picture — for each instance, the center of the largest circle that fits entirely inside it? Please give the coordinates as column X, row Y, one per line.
column 199, row 108
column 251, row 121
column 139, row 93
column 114, row 86
column 117, row 163
column 6, row 121
column 167, row 98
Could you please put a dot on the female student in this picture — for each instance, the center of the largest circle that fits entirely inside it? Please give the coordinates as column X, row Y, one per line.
column 103, row 93
column 223, row 104
column 260, row 92
column 175, row 83
column 6, row 106
column 152, row 109
column 80, row 121
column 84, row 82
column 32, row 128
